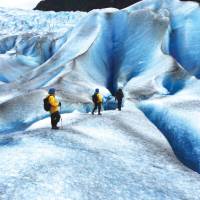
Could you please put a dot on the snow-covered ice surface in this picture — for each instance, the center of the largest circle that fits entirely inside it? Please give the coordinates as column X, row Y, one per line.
column 152, row 51
column 94, row 157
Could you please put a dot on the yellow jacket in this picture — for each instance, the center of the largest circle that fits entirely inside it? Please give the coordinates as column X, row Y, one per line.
column 54, row 104
column 99, row 98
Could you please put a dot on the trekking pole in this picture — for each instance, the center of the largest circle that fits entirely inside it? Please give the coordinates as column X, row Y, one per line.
column 61, row 119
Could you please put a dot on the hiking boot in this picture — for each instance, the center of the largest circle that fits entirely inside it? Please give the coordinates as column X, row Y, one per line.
column 55, row 128
column 99, row 114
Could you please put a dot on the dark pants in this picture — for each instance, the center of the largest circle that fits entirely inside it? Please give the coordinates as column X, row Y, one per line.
column 97, row 105
column 119, row 104
column 55, row 118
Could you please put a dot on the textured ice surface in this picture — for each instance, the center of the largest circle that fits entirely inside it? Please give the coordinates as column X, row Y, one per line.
column 177, row 117
column 183, row 36
column 94, row 157
column 151, row 50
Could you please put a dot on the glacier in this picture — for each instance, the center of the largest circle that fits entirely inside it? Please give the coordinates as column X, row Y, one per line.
column 151, row 50
column 114, row 158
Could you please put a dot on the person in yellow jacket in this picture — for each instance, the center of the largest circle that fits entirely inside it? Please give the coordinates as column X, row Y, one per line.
column 54, row 103
column 97, row 100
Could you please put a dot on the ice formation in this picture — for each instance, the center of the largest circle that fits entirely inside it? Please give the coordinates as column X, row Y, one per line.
column 150, row 49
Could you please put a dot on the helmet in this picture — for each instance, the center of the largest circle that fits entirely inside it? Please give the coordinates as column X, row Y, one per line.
column 52, row 91
column 97, row 90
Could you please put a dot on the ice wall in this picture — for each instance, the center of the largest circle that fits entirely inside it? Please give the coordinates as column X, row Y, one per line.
column 182, row 40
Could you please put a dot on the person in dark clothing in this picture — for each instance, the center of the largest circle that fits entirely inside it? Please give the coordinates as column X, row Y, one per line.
column 97, row 100
column 55, row 115
column 119, row 96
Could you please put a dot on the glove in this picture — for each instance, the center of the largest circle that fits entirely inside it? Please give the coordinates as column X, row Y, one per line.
column 59, row 103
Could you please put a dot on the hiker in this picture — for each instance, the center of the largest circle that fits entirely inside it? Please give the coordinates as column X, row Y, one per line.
column 97, row 99
column 119, row 96
column 54, row 104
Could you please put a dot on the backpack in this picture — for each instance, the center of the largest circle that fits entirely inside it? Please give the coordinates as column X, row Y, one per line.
column 94, row 98
column 119, row 95
column 47, row 105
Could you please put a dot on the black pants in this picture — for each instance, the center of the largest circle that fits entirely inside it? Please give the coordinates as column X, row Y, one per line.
column 119, row 104
column 55, row 118
column 97, row 105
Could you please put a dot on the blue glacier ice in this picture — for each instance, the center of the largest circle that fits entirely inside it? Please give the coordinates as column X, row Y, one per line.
column 114, row 158
column 152, row 51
